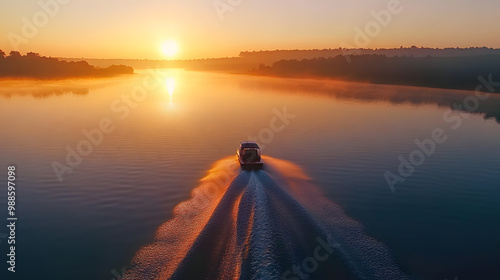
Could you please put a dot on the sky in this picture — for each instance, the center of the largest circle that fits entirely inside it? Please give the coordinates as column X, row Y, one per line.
column 223, row 28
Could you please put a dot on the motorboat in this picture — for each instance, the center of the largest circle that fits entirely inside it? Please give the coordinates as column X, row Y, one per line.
column 248, row 154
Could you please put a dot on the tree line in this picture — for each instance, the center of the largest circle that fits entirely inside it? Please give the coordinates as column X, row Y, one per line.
column 439, row 72
column 32, row 65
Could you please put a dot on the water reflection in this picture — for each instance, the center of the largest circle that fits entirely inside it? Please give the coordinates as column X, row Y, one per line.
column 42, row 93
column 351, row 91
column 170, row 85
column 129, row 184
column 45, row 89
column 250, row 225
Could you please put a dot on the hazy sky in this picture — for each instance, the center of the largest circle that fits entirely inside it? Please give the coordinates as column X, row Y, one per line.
column 137, row 29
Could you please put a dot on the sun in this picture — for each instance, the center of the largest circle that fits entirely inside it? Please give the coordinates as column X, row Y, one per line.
column 170, row 48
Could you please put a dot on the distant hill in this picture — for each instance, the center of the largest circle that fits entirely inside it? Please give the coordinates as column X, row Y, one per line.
column 249, row 60
column 273, row 56
column 454, row 68
column 32, row 65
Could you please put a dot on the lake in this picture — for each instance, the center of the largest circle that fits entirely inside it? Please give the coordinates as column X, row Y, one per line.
column 101, row 164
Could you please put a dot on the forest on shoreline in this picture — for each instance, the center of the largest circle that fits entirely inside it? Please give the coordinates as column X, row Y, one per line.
column 451, row 68
column 34, row 66
column 436, row 72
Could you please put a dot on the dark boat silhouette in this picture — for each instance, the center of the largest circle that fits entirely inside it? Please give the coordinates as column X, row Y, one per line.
column 248, row 154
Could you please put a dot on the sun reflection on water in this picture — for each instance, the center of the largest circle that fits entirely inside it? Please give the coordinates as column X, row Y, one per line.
column 170, row 85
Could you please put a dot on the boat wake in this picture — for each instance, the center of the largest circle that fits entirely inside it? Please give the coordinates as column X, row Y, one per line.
column 263, row 224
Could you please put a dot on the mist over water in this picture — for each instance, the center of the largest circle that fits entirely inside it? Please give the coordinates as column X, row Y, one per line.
column 441, row 223
column 261, row 224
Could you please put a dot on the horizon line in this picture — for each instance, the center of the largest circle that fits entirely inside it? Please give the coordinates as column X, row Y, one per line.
column 269, row 50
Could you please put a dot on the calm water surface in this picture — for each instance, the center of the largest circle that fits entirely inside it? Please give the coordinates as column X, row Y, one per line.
column 441, row 222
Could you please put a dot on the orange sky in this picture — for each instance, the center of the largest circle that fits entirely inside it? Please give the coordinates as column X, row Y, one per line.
column 220, row 28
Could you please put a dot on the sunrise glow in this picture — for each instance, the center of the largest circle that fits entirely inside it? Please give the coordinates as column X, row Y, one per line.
column 170, row 49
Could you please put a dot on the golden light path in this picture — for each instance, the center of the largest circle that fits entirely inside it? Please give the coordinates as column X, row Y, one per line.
column 170, row 85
